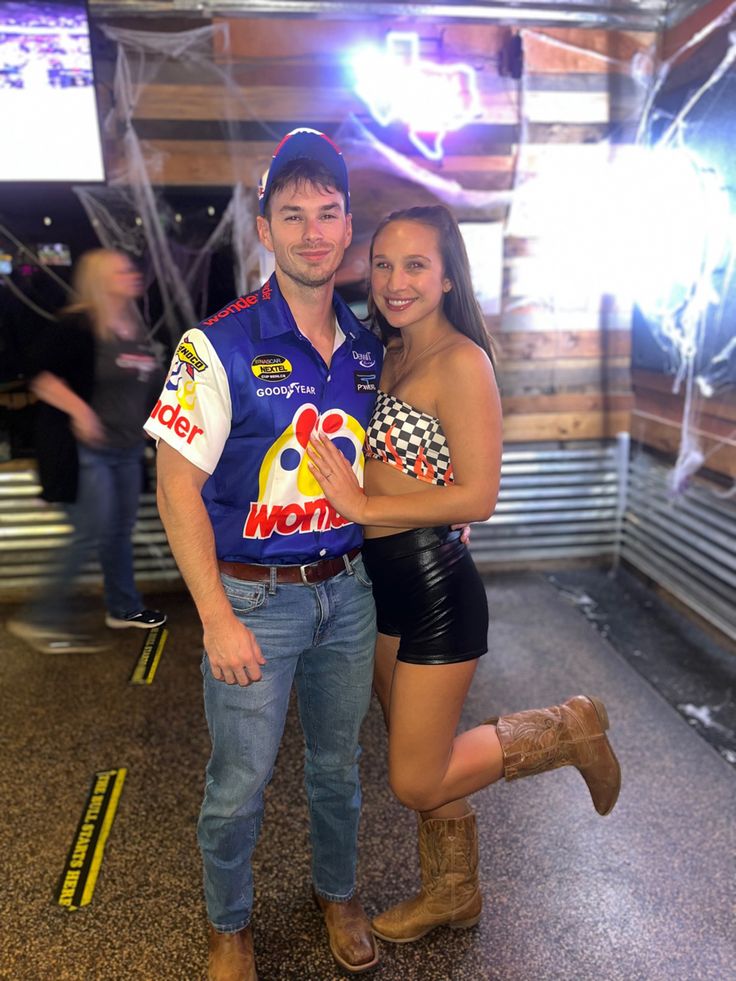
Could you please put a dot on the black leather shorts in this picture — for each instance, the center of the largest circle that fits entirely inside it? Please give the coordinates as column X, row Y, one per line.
column 429, row 593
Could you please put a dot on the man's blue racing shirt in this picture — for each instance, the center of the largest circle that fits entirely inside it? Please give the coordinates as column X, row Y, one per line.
column 243, row 394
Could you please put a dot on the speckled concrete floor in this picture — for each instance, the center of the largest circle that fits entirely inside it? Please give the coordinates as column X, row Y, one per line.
column 690, row 669
column 646, row 893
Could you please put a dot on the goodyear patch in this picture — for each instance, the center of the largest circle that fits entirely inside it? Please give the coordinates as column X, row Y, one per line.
column 187, row 353
column 271, row 367
column 83, row 863
column 153, row 647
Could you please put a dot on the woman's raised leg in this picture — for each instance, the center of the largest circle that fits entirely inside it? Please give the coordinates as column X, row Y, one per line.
column 429, row 766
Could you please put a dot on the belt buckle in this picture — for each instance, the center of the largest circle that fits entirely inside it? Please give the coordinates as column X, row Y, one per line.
column 303, row 574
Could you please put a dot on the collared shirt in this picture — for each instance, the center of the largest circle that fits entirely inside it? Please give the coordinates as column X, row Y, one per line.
column 244, row 392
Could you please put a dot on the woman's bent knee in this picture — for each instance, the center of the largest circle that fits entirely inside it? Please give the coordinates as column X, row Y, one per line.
column 418, row 796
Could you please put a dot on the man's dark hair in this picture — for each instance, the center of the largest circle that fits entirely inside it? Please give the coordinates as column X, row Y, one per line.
column 298, row 173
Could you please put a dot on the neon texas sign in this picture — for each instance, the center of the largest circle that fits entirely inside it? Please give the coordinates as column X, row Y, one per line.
column 399, row 86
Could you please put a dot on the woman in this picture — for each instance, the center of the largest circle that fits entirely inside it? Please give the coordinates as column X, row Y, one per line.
column 433, row 458
column 96, row 377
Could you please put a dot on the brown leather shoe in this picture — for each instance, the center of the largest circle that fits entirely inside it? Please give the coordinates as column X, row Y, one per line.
column 351, row 939
column 231, row 956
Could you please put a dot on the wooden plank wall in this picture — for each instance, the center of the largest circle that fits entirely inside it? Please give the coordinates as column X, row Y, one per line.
column 656, row 421
column 657, row 413
column 564, row 376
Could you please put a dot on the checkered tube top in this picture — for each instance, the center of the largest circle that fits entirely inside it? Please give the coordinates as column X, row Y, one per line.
column 409, row 440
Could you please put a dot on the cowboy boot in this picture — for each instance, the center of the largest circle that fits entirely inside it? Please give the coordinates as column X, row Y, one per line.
column 349, row 931
column 571, row 734
column 450, row 895
column 231, row 956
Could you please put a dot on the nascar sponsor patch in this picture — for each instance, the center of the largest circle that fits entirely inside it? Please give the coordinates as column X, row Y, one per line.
column 187, row 353
column 365, row 381
column 365, row 358
column 271, row 367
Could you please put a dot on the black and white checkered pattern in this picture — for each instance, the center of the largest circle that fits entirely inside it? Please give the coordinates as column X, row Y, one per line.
column 413, row 441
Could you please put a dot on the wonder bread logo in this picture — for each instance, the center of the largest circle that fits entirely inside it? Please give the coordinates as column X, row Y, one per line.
column 290, row 501
column 187, row 353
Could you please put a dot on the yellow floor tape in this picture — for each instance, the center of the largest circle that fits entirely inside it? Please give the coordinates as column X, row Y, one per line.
column 153, row 646
column 85, row 856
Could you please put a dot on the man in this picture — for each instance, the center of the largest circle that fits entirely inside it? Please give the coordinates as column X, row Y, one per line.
column 274, row 571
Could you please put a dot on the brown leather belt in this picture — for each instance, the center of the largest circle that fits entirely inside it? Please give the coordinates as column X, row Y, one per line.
column 305, row 574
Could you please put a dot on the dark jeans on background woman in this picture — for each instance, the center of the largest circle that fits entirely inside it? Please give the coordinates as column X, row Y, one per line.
column 102, row 518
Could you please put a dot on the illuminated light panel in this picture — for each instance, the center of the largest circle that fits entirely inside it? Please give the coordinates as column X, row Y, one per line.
column 398, row 86
column 674, row 231
column 651, row 227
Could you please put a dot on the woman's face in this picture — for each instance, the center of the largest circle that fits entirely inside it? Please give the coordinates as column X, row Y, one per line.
column 408, row 282
column 124, row 281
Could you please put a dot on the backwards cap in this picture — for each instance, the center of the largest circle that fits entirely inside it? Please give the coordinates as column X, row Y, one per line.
column 308, row 144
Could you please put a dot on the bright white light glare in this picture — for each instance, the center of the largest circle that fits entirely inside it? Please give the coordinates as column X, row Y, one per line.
column 210, row 210
column 432, row 100
column 670, row 220
column 177, row 217
column 47, row 221
column 651, row 227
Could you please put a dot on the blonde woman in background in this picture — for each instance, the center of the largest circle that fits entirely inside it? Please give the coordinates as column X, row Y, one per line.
column 96, row 376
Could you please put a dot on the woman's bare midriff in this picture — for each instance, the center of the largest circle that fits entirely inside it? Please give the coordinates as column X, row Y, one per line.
column 383, row 479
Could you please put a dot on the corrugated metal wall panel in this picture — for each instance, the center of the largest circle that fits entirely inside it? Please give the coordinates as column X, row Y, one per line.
column 557, row 502
column 32, row 531
column 685, row 543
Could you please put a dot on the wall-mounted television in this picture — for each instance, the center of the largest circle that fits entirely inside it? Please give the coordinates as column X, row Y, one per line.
column 48, row 106
column 54, row 254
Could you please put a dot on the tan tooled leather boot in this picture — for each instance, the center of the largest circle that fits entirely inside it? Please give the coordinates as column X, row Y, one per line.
column 571, row 734
column 450, row 895
column 349, row 931
column 231, row 956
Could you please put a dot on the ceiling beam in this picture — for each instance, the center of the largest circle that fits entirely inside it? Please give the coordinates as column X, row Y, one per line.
column 632, row 15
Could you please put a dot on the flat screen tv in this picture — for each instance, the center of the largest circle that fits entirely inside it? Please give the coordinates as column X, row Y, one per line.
column 48, row 107
column 54, row 254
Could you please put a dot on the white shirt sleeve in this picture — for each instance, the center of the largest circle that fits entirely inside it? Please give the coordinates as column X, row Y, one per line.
column 194, row 411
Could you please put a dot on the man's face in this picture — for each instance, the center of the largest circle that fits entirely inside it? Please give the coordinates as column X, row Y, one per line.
column 308, row 232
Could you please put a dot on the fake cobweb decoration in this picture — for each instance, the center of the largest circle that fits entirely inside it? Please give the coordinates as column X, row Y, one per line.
column 132, row 215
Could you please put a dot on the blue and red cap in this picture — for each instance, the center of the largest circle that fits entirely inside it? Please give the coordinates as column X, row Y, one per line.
column 307, row 144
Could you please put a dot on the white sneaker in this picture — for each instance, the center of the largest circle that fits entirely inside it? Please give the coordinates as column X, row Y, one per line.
column 46, row 640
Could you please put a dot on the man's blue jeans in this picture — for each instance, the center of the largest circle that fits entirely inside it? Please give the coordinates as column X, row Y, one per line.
column 321, row 638
column 103, row 517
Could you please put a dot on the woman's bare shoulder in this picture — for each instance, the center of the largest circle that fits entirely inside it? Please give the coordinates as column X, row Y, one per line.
column 462, row 355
